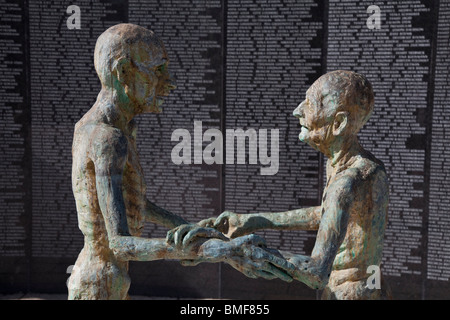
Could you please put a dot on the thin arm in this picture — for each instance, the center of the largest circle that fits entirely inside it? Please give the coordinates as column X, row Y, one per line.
column 298, row 219
column 109, row 160
column 143, row 249
column 160, row 216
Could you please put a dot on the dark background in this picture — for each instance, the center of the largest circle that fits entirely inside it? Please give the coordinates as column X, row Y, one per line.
column 238, row 64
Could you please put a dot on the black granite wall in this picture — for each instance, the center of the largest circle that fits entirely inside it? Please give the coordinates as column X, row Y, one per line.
column 238, row 64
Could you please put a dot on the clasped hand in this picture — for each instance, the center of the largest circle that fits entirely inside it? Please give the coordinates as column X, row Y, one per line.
column 247, row 254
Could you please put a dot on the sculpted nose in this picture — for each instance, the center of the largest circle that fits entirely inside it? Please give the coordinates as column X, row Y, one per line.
column 168, row 84
column 298, row 112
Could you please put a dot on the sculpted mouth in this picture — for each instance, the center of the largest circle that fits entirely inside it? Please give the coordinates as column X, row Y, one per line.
column 303, row 126
column 158, row 101
column 154, row 104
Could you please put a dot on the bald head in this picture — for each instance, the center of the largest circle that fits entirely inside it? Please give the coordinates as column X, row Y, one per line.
column 126, row 42
column 347, row 91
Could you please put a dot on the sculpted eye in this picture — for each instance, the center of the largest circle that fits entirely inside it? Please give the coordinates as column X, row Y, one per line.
column 160, row 70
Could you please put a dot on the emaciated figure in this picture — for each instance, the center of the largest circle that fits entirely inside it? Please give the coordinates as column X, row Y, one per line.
column 352, row 217
column 108, row 182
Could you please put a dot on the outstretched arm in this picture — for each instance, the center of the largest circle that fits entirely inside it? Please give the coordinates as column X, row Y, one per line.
column 160, row 216
column 245, row 254
column 235, row 225
column 109, row 154
column 298, row 219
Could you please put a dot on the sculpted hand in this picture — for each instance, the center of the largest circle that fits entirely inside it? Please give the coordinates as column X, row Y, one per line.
column 183, row 235
column 231, row 224
column 249, row 255
column 209, row 222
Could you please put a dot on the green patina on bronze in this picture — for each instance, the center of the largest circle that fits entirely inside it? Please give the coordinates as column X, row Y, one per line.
column 108, row 182
column 351, row 220
column 110, row 191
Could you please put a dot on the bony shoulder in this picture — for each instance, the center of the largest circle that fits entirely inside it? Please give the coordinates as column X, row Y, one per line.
column 357, row 175
column 369, row 167
column 106, row 134
column 107, row 140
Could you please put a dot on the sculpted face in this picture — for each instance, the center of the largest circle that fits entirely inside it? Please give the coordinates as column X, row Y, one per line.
column 133, row 61
column 149, row 81
column 316, row 118
column 335, row 108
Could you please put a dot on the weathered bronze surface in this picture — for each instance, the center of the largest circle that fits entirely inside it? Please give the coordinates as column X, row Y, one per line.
column 108, row 182
column 351, row 219
column 112, row 207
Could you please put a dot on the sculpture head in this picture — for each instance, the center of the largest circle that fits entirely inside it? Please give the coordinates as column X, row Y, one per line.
column 133, row 62
column 335, row 108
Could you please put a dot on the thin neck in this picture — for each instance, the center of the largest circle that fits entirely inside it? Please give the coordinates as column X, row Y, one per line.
column 343, row 150
column 116, row 109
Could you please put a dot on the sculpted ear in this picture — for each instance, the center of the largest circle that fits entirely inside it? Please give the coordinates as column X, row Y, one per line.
column 120, row 69
column 340, row 123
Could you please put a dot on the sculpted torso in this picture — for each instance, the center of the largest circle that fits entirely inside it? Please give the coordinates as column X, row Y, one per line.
column 108, row 181
column 367, row 215
column 95, row 141
column 365, row 231
column 351, row 220
column 110, row 192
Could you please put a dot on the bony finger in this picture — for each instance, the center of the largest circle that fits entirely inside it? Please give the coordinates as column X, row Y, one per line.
column 253, row 269
column 256, row 240
column 213, row 233
column 179, row 234
column 221, row 224
column 281, row 263
column 176, row 238
column 209, row 222
column 264, row 254
column 192, row 234
column 273, row 264
column 218, row 221
column 203, row 232
column 277, row 272
column 250, row 274
column 244, row 266
column 174, row 233
column 169, row 237
column 265, row 275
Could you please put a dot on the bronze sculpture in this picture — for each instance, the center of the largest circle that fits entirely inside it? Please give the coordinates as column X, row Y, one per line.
column 109, row 186
column 352, row 217
column 108, row 182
